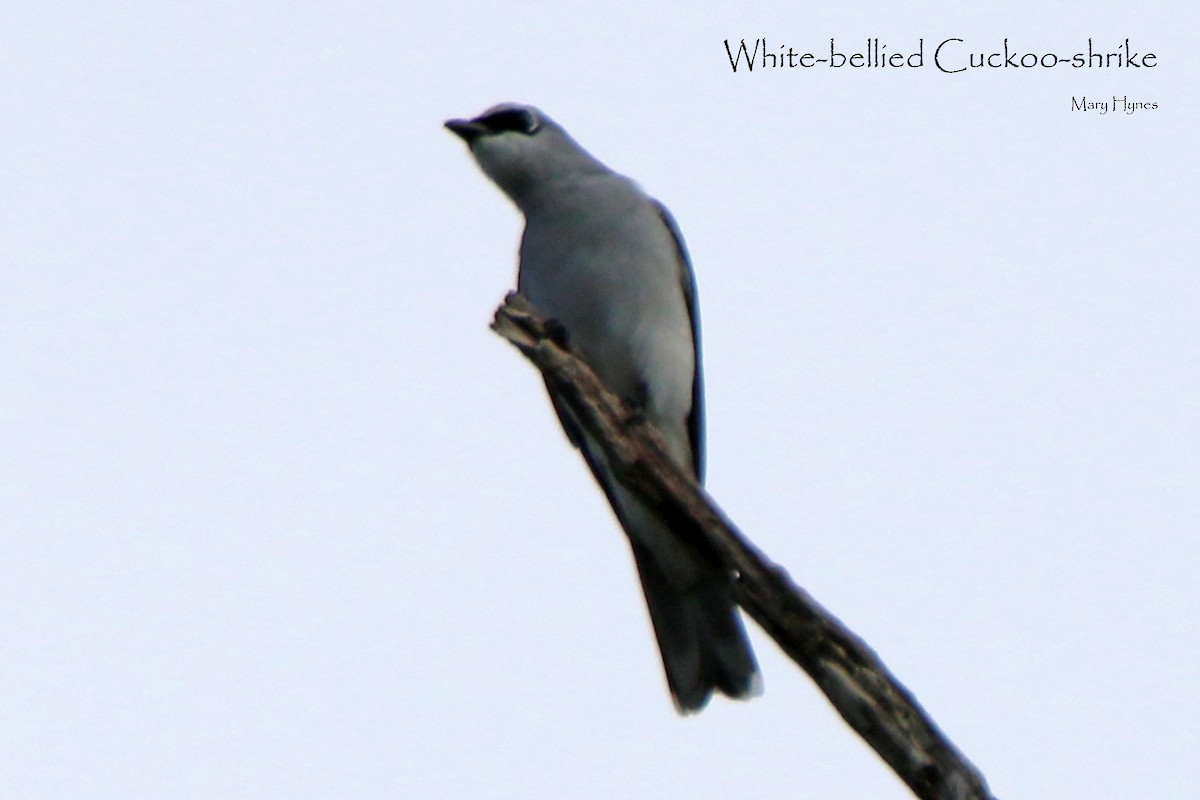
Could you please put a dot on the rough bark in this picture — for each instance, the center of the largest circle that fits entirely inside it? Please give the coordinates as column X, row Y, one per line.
column 850, row 674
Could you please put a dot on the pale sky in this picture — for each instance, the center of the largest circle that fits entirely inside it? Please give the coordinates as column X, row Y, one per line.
column 281, row 518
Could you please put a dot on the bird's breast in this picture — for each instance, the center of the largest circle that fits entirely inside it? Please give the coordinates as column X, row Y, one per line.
column 609, row 271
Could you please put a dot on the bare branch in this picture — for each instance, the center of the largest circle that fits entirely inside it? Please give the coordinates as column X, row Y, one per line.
column 856, row 682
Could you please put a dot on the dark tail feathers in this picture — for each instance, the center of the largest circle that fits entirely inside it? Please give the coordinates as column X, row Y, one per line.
column 700, row 636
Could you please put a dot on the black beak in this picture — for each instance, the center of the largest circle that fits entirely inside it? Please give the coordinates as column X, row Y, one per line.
column 466, row 129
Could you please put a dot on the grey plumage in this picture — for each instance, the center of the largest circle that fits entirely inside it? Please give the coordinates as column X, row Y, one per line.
column 609, row 263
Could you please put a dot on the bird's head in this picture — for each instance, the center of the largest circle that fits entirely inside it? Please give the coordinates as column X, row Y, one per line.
column 521, row 149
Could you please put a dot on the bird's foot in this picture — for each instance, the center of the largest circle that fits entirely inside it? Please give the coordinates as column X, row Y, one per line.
column 557, row 333
column 635, row 407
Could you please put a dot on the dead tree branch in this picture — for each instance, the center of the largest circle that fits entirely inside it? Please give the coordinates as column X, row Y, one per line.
column 856, row 682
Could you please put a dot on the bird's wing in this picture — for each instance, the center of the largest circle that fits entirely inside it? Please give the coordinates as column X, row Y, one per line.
column 687, row 281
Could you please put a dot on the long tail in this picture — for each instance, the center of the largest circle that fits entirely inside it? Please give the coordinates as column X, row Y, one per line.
column 700, row 636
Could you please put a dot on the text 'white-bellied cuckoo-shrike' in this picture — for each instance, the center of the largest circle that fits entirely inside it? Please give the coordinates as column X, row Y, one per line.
column 609, row 264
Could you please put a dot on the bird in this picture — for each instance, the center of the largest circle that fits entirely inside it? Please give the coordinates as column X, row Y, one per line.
column 609, row 265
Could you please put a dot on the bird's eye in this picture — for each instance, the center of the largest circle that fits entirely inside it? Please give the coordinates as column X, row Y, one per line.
column 515, row 119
